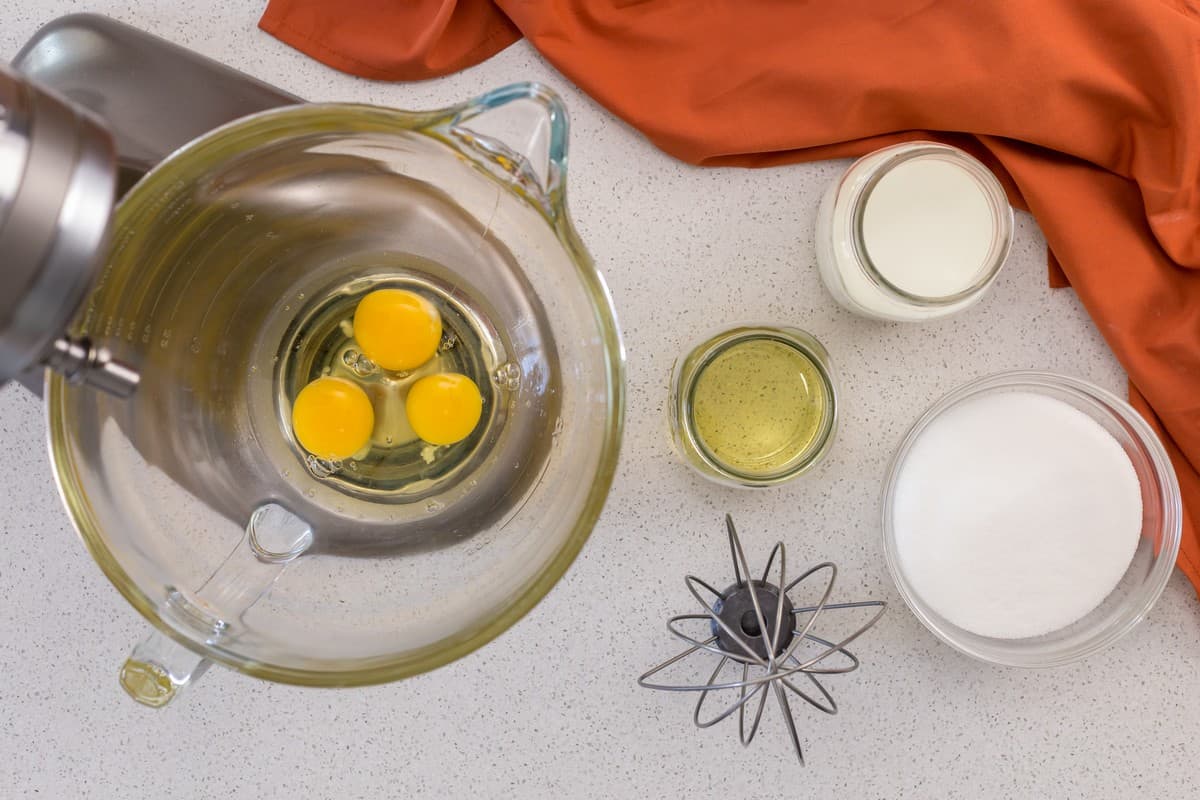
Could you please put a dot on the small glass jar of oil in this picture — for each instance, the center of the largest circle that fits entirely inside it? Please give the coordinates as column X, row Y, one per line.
column 754, row 405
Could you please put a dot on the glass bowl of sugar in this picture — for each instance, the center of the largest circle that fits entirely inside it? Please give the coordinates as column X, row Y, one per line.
column 1031, row 519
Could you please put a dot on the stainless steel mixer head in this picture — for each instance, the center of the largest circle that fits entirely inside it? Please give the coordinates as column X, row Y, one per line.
column 57, row 185
column 754, row 623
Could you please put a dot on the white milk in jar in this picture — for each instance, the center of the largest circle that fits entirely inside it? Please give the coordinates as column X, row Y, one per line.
column 912, row 232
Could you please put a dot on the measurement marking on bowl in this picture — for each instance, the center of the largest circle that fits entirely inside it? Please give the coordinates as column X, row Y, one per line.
column 246, row 294
column 487, row 228
column 528, row 495
column 175, row 267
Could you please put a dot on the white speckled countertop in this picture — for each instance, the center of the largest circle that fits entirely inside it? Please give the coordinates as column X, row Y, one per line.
column 550, row 709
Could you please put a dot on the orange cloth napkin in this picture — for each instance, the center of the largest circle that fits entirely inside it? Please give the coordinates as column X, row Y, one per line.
column 1088, row 110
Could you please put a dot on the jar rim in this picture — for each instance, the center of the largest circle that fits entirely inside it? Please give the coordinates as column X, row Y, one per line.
column 989, row 185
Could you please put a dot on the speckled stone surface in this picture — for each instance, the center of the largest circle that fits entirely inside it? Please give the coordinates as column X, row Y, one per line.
column 550, row 709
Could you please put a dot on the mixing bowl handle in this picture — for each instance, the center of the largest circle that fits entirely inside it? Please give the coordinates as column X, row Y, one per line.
column 520, row 132
column 159, row 666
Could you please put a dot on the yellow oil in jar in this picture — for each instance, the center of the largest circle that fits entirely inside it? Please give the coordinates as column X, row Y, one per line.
column 758, row 406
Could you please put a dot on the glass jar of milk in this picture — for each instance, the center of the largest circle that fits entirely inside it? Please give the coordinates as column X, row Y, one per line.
column 912, row 232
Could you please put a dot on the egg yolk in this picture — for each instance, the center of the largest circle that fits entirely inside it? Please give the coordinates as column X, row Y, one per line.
column 332, row 418
column 444, row 408
column 397, row 329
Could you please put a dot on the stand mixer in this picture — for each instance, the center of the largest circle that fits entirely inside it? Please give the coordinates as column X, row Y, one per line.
column 77, row 129
column 181, row 473
column 57, row 185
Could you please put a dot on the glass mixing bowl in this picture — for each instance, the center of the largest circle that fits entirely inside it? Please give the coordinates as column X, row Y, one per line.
column 1153, row 560
column 228, row 266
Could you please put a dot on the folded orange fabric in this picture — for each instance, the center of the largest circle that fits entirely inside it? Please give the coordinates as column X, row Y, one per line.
column 1089, row 110
column 393, row 39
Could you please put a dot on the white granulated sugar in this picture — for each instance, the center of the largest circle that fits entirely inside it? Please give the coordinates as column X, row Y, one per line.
column 1015, row 514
